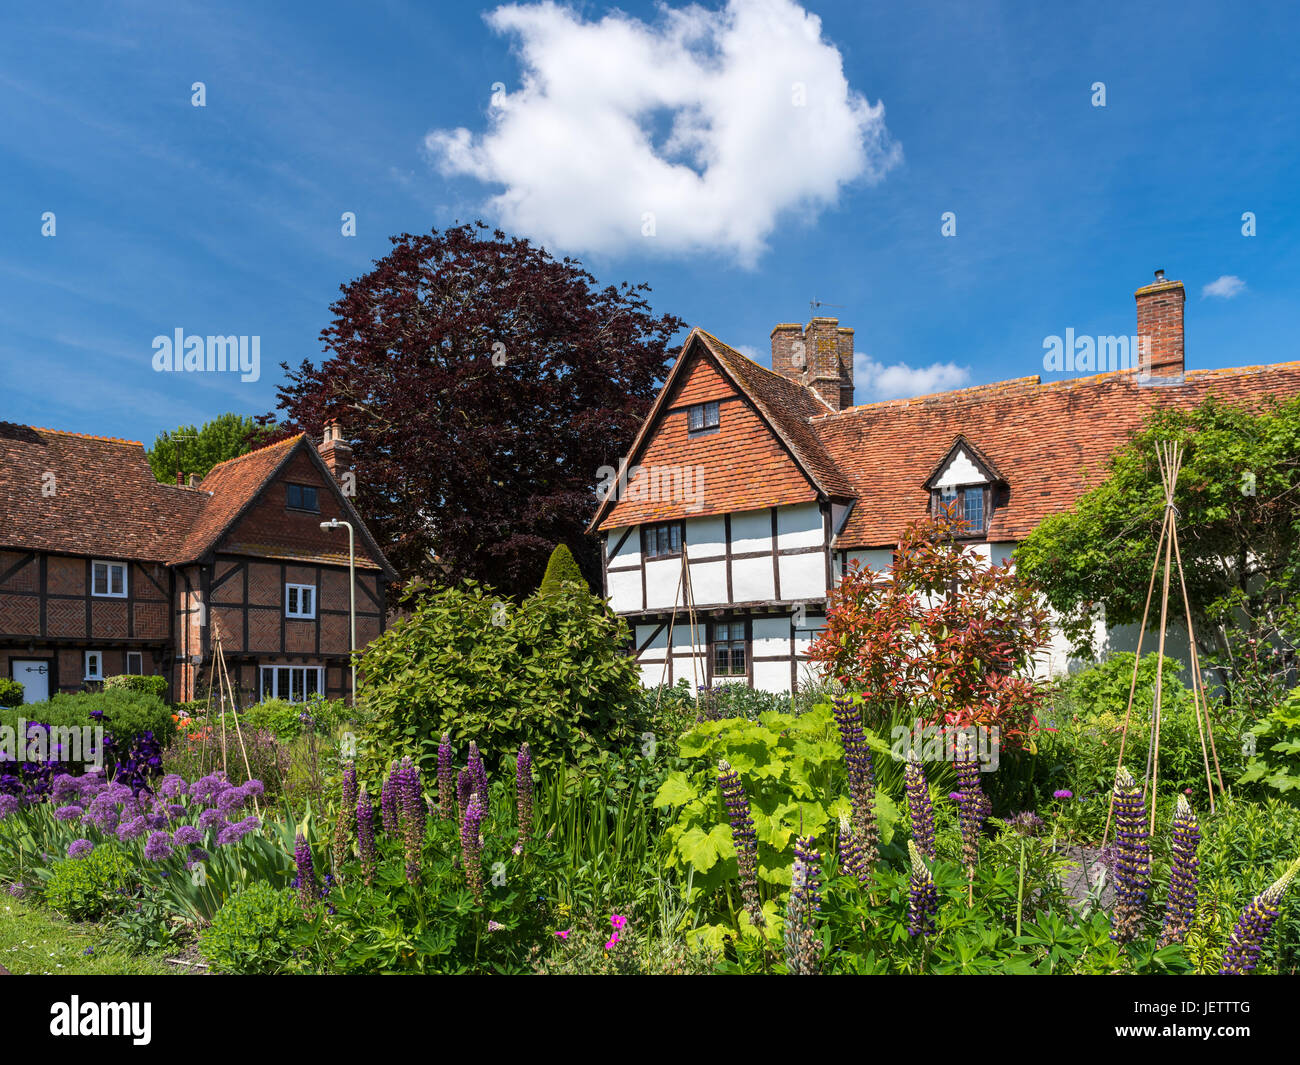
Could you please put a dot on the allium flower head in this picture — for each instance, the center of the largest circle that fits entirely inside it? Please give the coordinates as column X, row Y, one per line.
column 158, row 847
column 68, row 813
column 79, row 848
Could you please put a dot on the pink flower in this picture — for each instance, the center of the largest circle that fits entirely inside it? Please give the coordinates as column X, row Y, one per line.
column 612, row 940
column 564, row 934
column 617, row 921
column 1187, row 791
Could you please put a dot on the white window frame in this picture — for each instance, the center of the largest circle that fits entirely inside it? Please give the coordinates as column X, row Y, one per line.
column 98, row 657
column 275, row 692
column 300, row 613
column 137, row 655
column 108, row 592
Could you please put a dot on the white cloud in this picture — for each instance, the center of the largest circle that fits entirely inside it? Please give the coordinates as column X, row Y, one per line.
column 877, row 381
column 1224, row 288
column 693, row 119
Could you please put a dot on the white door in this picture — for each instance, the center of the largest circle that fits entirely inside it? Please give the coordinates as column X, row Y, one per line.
column 34, row 676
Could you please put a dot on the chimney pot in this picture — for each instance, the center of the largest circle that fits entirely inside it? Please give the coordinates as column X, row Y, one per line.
column 180, row 478
column 194, row 480
column 334, row 450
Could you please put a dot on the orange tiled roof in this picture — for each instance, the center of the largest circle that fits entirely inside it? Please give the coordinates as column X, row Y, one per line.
column 87, row 495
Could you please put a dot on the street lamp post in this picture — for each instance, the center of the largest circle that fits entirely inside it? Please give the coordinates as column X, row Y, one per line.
column 330, row 525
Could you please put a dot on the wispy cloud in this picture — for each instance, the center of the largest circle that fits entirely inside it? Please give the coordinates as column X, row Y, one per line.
column 690, row 135
column 1224, row 288
column 874, row 380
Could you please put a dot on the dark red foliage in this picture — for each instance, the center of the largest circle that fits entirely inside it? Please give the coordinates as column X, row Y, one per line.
column 944, row 632
column 484, row 463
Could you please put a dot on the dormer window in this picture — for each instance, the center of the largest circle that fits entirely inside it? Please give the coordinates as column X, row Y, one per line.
column 702, row 418
column 963, row 484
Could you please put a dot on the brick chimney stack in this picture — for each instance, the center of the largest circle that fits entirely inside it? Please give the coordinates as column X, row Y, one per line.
column 1160, row 328
column 335, row 450
column 819, row 357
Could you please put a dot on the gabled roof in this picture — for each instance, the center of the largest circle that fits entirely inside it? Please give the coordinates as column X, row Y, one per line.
column 74, row 494
column 1050, row 441
column 783, row 406
column 977, row 457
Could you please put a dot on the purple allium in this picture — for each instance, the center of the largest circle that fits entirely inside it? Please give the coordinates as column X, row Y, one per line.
column 307, row 889
column 470, row 845
column 212, row 819
column 862, row 779
column 196, row 855
column 1183, row 867
column 1025, row 823
column 366, row 835
column 802, row 945
column 972, row 805
column 744, row 838
column 479, row 770
column 79, row 848
column 524, row 793
column 1253, row 927
column 388, row 801
column 1132, row 866
column 446, row 777
column 172, row 786
column 345, row 826
column 68, row 813
column 187, row 836
column 65, row 786
column 158, row 847
column 923, row 896
column 235, row 831
column 133, row 829
column 209, row 789
column 8, row 804
column 919, row 807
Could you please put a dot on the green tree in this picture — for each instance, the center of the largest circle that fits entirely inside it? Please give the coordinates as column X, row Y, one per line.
column 1238, row 501
column 196, row 450
column 561, row 566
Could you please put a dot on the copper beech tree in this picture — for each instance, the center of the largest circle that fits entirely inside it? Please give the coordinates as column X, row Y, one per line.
column 482, row 384
column 945, row 637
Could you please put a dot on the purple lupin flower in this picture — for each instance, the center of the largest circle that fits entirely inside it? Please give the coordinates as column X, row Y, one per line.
column 446, row 777
column 850, row 852
column 345, row 826
column 479, row 771
column 919, row 807
column 464, row 789
column 862, row 779
column 524, row 794
column 470, row 845
column 366, row 836
column 923, row 896
column 1132, row 859
column 972, row 805
column 1254, row 925
column 412, row 815
column 802, row 946
column 1183, row 867
column 307, row 889
column 744, row 838
column 388, row 801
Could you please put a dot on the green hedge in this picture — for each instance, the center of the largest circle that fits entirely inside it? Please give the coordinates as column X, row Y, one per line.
column 11, row 692
column 155, row 686
column 126, row 714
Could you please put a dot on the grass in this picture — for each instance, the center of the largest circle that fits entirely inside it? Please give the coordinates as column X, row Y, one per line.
column 33, row 942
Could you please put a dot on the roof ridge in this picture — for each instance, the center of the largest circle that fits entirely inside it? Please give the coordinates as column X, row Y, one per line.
column 82, row 436
column 257, row 451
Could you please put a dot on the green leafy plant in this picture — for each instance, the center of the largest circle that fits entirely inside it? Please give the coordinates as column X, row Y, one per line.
column 155, row 686
column 255, row 931
column 560, row 567
column 89, row 887
column 1276, row 742
column 11, row 692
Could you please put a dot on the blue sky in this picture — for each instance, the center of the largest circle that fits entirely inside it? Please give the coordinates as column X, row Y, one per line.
column 226, row 218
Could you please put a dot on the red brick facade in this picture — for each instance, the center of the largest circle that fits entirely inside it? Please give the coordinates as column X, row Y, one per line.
column 220, row 561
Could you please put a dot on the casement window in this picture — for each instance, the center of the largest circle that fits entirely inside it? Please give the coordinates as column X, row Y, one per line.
column 662, row 541
column 729, row 649
column 134, row 664
column 108, row 579
column 302, row 497
column 300, row 600
column 969, row 504
column 701, row 418
column 94, row 666
column 293, row 684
